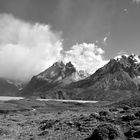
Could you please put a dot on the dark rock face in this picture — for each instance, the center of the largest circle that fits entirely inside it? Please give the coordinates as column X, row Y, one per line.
column 106, row 132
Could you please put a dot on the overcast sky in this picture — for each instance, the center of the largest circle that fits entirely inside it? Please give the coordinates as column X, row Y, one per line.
column 85, row 20
column 113, row 25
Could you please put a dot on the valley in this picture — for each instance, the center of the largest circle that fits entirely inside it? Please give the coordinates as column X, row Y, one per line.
column 29, row 119
column 62, row 103
column 23, row 119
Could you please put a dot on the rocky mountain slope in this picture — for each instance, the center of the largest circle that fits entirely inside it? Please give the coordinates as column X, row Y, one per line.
column 59, row 74
column 118, row 79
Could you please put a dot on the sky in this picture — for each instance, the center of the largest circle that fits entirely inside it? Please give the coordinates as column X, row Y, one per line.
column 86, row 32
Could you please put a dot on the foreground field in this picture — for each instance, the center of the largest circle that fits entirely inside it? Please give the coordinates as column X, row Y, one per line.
column 37, row 120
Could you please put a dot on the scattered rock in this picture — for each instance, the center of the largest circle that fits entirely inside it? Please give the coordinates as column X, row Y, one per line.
column 122, row 111
column 136, row 134
column 106, row 132
column 94, row 116
column 137, row 114
column 3, row 132
column 128, row 134
column 136, row 123
column 43, row 133
column 104, row 113
column 126, row 107
column 113, row 109
column 128, row 118
column 47, row 124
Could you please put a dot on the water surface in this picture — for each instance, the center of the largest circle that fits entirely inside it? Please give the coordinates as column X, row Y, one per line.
column 7, row 98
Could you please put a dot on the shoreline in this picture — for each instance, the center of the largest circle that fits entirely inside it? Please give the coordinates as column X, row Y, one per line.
column 7, row 98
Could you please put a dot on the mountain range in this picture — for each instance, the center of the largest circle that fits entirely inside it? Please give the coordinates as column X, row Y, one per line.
column 118, row 79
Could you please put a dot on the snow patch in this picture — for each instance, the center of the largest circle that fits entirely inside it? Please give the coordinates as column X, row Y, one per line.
column 119, row 57
column 135, row 58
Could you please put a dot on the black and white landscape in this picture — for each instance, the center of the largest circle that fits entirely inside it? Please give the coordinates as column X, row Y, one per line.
column 69, row 70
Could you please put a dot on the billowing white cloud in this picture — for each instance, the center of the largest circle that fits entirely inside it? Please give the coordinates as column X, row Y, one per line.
column 136, row 1
column 26, row 49
column 85, row 56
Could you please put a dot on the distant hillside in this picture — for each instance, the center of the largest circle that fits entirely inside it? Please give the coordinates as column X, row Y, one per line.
column 8, row 88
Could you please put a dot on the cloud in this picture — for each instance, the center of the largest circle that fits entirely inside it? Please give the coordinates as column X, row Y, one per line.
column 26, row 49
column 85, row 56
column 136, row 1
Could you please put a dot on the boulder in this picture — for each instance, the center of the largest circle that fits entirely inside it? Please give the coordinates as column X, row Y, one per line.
column 136, row 134
column 106, row 132
column 128, row 118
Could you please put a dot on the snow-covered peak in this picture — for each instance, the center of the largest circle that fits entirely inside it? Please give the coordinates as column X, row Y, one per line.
column 119, row 57
column 137, row 59
column 134, row 57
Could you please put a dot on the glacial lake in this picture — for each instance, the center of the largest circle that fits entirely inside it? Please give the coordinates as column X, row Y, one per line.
column 7, row 98
column 76, row 101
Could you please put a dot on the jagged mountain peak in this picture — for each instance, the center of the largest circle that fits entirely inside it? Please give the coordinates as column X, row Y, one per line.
column 119, row 57
column 133, row 58
column 59, row 64
column 58, row 70
column 126, row 63
column 119, row 78
column 69, row 65
column 59, row 74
